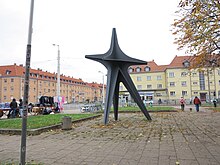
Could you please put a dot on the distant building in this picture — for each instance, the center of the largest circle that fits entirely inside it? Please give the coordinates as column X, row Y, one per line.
column 43, row 83
column 170, row 82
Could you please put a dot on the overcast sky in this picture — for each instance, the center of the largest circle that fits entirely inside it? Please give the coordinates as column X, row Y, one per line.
column 84, row 27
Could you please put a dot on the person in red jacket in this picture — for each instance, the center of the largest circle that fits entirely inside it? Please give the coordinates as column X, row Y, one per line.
column 197, row 103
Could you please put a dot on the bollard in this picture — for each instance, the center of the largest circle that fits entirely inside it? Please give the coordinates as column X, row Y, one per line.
column 67, row 123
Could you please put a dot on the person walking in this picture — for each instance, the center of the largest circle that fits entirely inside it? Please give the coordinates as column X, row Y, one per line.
column 13, row 106
column 197, row 103
column 21, row 107
column 182, row 103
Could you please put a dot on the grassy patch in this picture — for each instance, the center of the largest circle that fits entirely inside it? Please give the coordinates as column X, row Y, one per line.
column 207, row 104
column 216, row 109
column 40, row 120
column 153, row 108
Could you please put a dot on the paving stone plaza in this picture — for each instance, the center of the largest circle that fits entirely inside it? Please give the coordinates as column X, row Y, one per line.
column 185, row 138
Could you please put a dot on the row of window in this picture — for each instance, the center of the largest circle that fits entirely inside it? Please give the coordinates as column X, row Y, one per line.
column 171, row 84
column 172, row 74
column 149, row 78
column 138, row 69
column 8, row 72
column 183, row 93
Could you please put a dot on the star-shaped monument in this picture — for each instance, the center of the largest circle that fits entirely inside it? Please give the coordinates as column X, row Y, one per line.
column 117, row 64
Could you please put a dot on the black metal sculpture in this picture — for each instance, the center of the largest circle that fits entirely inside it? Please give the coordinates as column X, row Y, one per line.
column 117, row 64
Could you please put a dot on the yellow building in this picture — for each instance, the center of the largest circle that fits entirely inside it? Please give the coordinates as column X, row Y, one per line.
column 43, row 83
column 170, row 82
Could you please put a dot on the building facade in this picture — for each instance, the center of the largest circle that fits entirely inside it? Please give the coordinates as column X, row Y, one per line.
column 43, row 83
column 171, row 82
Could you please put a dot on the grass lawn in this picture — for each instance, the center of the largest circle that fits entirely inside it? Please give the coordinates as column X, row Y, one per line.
column 216, row 109
column 153, row 108
column 207, row 105
column 40, row 120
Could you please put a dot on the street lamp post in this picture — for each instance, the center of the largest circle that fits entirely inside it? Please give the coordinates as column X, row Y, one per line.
column 26, row 88
column 103, row 87
column 58, row 74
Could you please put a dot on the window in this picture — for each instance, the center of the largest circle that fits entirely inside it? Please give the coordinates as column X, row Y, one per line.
column 147, row 68
column 171, row 74
column 218, row 72
column 195, row 83
column 158, row 94
column 148, row 78
column 12, row 80
column 12, row 89
column 195, row 93
column 172, row 93
column 130, row 70
column 183, row 83
column 194, row 74
column 184, row 93
column 159, row 86
column 138, row 78
column 183, row 74
column 202, row 80
column 139, row 87
column 5, row 80
column 159, row 78
column 7, row 72
column 149, row 86
column 121, row 88
column 172, row 84
column 138, row 69
column 5, row 89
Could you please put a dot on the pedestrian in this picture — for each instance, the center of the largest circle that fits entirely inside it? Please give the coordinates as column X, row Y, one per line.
column 190, row 100
column 215, row 102
column 159, row 101
column 13, row 108
column 21, row 107
column 197, row 103
column 182, row 103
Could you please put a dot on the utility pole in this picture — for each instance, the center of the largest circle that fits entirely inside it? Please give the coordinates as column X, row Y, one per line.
column 58, row 75
column 103, row 88
column 26, row 88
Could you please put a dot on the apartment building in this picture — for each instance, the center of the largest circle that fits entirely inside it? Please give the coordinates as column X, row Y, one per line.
column 43, row 83
column 170, row 82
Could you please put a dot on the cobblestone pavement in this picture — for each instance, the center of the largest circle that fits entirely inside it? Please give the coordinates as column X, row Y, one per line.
column 189, row 138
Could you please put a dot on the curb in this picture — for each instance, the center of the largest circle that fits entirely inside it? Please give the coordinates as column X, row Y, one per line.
column 38, row 131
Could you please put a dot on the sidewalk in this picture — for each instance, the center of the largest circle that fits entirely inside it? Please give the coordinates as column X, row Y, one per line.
column 184, row 137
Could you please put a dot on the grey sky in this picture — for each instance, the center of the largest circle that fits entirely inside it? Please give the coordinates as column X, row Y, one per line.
column 84, row 27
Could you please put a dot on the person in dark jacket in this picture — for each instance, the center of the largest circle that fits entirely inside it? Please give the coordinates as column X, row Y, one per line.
column 197, row 103
column 13, row 106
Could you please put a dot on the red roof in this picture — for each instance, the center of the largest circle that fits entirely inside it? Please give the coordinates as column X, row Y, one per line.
column 177, row 62
column 19, row 70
